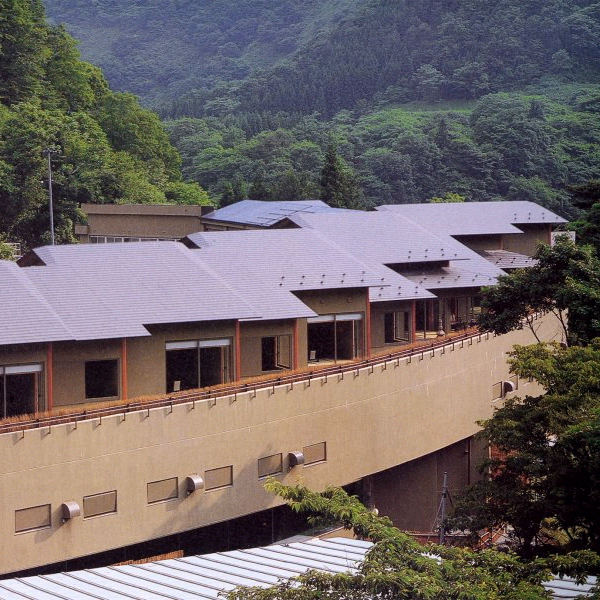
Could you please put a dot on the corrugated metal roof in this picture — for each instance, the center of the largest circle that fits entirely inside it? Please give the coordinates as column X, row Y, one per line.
column 26, row 316
column 192, row 577
column 475, row 218
column 207, row 576
column 113, row 290
column 261, row 213
column 567, row 587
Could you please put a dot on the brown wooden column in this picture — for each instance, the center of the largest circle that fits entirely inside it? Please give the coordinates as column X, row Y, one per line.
column 296, row 345
column 238, row 351
column 50, row 376
column 124, row 391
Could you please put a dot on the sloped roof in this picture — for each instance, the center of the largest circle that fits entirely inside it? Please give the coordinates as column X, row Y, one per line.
column 508, row 260
column 295, row 260
column 260, row 213
column 207, row 576
column 475, row 218
column 389, row 238
column 383, row 238
column 113, row 290
column 18, row 297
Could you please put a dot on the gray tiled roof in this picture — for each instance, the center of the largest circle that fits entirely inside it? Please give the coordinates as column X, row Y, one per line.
column 508, row 260
column 475, row 218
column 261, row 213
column 383, row 238
column 473, row 273
column 26, row 316
column 390, row 238
column 114, row 290
column 295, row 260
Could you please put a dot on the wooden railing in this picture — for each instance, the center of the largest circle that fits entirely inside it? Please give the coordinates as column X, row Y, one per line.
column 75, row 415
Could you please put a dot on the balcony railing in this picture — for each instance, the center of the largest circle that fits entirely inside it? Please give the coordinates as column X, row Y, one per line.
column 73, row 415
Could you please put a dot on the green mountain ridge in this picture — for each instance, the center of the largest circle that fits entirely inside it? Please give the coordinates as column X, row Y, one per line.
column 422, row 99
column 324, row 57
column 159, row 50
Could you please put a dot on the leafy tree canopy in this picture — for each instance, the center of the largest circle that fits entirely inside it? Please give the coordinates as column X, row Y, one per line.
column 565, row 278
column 104, row 146
column 398, row 567
column 215, row 58
column 505, row 146
column 543, row 475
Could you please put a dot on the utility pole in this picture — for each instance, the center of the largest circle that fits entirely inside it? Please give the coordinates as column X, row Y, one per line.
column 443, row 509
column 49, row 152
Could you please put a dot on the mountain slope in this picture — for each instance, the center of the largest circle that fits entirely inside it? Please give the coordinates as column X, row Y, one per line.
column 159, row 50
column 254, row 55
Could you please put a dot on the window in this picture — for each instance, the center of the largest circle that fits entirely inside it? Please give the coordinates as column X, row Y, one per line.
column 197, row 363
column 21, row 390
column 397, row 326
column 218, row 478
column 315, row 453
column 102, row 378
column 276, row 352
column 159, row 491
column 335, row 337
column 30, row 519
column 100, row 504
column 270, row 465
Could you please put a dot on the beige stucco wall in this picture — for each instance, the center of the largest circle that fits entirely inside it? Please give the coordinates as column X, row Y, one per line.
column 251, row 334
column 378, row 311
column 147, row 221
column 481, row 242
column 325, row 302
column 23, row 354
column 371, row 418
column 528, row 242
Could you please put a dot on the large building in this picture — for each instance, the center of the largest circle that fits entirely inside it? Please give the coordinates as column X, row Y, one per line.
column 339, row 348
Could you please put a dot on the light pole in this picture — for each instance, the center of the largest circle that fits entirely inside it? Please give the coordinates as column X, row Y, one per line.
column 49, row 152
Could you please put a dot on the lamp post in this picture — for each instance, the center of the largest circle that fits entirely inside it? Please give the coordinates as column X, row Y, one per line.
column 49, row 152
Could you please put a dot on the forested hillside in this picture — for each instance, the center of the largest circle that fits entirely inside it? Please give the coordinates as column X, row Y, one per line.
column 434, row 98
column 505, row 146
column 252, row 55
column 161, row 49
column 103, row 146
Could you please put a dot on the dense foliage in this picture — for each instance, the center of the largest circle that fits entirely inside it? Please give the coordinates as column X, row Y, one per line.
column 505, row 146
column 102, row 146
column 398, row 567
column 544, row 473
column 486, row 100
column 253, row 56
column 565, row 281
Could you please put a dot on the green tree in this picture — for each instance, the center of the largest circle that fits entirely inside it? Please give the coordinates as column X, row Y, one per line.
column 258, row 188
column 542, row 480
column 22, row 49
column 6, row 251
column 587, row 197
column 566, row 278
column 339, row 187
column 447, row 197
column 186, row 193
column 400, row 568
